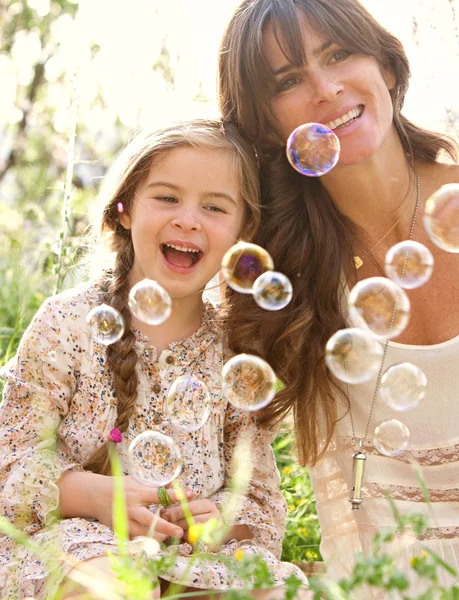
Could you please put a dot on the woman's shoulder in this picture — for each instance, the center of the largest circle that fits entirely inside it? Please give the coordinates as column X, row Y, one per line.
column 437, row 174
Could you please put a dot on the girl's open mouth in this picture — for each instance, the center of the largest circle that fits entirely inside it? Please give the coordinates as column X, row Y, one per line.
column 181, row 256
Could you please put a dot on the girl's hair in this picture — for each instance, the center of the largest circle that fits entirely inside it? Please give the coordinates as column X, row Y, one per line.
column 131, row 168
column 308, row 238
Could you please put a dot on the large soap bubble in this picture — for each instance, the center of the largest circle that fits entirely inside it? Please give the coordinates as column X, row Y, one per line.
column 272, row 290
column 150, row 302
column 353, row 355
column 403, row 386
column 441, row 217
column 313, row 149
column 409, row 264
column 243, row 264
column 391, row 437
column 380, row 305
column 188, row 403
column 249, row 382
column 106, row 324
column 154, row 459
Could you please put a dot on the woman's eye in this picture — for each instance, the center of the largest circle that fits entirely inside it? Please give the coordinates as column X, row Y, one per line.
column 340, row 55
column 286, row 84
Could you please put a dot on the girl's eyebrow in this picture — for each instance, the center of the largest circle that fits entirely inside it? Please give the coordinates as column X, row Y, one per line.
column 316, row 52
column 176, row 187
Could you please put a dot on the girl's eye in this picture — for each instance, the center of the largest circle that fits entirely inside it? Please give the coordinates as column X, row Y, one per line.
column 339, row 55
column 167, row 199
column 213, row 208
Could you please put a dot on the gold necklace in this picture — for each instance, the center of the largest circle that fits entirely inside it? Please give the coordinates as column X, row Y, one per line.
column 358, row 260
column 360, row 457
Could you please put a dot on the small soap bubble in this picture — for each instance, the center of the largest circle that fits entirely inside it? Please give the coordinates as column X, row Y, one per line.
column 188, row 403
column 380, row 305
column 249, row 383
column 403, row 386
column 120, row 207
column 409, row 264
column 441, row 217
column 52, row 356
column 391, row 437
column 154, row 459
column 106, row 324
column 243, row 264
column 313, row 149
column 353, row 355
column 272, row 290
column 150, row 302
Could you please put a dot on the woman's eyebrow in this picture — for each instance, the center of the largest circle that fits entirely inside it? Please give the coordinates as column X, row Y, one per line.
column 316, row 52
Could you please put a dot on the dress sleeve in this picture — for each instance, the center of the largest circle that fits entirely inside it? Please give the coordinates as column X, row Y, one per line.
column 262, row 507
column 40, row 381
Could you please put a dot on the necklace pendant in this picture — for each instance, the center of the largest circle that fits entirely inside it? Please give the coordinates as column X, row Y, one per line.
column 358, row 262
column 355, row 499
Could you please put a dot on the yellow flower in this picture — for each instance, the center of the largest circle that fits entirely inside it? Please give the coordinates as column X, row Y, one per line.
column 287, row 470
column 291, row 507
column 303, row 530
column 194, row 533
column 301, row 501
column 239, row 554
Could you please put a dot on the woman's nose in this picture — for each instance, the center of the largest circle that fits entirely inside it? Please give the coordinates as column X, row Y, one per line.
column 325, row 88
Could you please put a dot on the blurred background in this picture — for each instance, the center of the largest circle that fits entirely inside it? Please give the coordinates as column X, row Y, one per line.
column 76, row 77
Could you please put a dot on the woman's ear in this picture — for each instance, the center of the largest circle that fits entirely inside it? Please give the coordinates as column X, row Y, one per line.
column 389, row 77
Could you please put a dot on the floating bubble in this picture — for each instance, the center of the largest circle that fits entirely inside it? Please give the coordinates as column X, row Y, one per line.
column 391, row 437
column 380, row 305
column 409, row 264
column 52, row 356
column 272, row 290
column 441, row 217
column 243, row 264
column 154, row 459
column 249, row 382
column 150, row 302
column 188, row 403
column 353, row 355
column 106, row 324
column 313, row 149
column 403, row 386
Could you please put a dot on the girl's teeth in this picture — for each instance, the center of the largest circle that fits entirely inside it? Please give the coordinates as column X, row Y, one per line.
column 181, row 248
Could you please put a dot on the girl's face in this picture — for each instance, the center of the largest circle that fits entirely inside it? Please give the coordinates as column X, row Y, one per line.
column 347, row 92
column 184, row 216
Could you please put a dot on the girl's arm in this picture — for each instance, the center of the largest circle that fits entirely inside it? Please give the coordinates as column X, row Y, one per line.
column 258, row 512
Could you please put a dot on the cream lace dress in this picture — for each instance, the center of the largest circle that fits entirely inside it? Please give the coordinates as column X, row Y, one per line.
column 59, row 406
column 433, row 446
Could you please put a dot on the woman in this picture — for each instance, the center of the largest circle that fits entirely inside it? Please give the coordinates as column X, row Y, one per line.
column 288, row 62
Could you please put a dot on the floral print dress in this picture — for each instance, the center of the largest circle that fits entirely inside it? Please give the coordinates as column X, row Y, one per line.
column 58, row 408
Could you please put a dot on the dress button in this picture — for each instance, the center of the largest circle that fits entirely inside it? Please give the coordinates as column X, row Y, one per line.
column 170, row 360
column 157, row 419
column 156, row 388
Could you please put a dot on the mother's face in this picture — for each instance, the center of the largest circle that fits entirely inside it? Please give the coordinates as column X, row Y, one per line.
column 348, row 92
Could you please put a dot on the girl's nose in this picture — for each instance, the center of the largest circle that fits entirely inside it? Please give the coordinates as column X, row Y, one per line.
column 186, row 221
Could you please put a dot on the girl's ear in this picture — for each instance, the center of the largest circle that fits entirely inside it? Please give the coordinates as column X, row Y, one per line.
column 125, row 220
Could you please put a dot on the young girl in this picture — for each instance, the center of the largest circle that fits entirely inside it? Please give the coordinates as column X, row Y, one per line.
column 175, row 201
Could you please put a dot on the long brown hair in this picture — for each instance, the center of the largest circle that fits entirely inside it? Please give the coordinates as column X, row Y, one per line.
column 126, row 175
column 308, row 238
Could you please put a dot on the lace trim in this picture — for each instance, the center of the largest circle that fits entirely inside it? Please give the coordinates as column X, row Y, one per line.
column 428, row 458
column 440, row 533
column 410, row 494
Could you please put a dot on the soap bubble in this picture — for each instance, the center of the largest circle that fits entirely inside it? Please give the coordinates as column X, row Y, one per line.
column 154, row 459
column 106, row 324
column 353, row 355
column 249, row 382
column 441, row 217
column 243, row 264
column 403, row 386
column 272, row 290
column 409, row 264
column 391, row 437
column 188, row 403
column 380, row 305
column 52, row 356
column 313, row 149
column 150, row 302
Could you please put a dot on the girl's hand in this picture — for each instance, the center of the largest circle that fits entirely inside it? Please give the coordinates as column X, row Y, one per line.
column 201, row 510
column 137, row 498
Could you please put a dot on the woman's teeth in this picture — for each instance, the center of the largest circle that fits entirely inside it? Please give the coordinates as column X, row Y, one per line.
column 346, row 118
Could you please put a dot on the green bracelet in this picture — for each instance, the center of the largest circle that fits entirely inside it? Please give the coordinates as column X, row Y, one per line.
column 163, row 496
